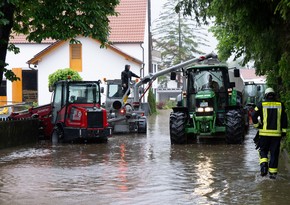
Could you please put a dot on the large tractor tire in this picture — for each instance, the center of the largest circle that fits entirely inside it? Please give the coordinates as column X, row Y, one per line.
column 235, row 127
column 177, row 128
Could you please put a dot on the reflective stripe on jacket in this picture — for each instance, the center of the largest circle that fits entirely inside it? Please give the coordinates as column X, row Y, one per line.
column 273, row 120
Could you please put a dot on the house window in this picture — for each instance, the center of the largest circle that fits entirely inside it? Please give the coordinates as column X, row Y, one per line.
column 76, row 57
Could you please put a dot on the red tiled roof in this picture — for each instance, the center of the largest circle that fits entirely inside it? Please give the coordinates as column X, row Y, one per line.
column 20, row 38
column 127, row 27
column 249, row 74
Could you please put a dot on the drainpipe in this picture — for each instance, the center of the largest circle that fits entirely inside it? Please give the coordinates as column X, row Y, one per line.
column 142, row 72
column 150, row 70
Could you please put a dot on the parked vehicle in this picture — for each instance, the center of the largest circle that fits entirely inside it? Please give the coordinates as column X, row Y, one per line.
column 74, row 115
column 123, row 117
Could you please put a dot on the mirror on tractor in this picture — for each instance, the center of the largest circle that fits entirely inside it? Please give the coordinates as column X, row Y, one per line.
column 173, row 76
column 236, row 73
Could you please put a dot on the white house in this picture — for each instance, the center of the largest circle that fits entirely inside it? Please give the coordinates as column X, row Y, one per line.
column 129, row 35
column 91, row 61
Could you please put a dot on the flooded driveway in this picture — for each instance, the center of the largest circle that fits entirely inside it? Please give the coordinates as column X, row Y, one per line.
column 139, row 169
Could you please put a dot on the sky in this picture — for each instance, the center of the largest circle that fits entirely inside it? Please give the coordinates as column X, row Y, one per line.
column 156, row 8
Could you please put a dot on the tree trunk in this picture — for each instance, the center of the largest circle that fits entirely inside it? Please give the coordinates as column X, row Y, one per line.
column 5, row 29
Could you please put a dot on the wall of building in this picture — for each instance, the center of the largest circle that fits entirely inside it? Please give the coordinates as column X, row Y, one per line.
column 97, row 64
column 27, row 51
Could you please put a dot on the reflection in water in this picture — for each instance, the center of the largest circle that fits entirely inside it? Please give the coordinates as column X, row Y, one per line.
column 205, row 179
column 138, row 169
column 123, row 169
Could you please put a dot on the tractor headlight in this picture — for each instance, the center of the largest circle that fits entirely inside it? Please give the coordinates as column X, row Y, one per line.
column 208, row 109
column 205, row 109
column 200, row 109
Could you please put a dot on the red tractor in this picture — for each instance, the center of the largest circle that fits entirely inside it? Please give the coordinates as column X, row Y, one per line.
column 74, row 115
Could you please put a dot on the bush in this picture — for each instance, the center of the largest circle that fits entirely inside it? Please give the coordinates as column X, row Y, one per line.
column 166, row 105
column 286, row 143
column 160, row 105
column 152, row 102
column 62, row 74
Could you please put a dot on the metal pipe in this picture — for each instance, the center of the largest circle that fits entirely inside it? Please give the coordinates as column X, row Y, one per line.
column 151, row 77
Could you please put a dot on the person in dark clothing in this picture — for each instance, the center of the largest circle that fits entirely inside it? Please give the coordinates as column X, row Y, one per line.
column 272, row 126
column 126, row 76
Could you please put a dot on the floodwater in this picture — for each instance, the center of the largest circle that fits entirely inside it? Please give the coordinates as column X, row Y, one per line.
column 139, row 169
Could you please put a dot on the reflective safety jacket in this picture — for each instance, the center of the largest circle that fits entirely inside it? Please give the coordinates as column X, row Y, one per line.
column 273, row 119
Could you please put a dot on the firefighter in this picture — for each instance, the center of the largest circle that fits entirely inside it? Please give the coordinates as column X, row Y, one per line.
column 126, row 76
column 271, row 128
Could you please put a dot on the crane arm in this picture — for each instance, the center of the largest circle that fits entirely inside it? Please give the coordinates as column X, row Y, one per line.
column 152, row 76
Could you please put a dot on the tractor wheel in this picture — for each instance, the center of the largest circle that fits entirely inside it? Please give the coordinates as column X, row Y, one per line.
column 142, row 125
column 57, row 136
column 177, row 128
column 235, row 127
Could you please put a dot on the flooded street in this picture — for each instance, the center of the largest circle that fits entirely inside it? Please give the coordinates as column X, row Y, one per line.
column 139, row 169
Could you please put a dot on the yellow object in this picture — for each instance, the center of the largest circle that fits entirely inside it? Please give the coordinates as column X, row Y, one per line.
column 4, row 111
column 125, row 99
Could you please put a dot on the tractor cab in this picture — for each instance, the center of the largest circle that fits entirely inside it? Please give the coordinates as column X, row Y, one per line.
column 254, row 93
column 69, row 93
column 76, row 112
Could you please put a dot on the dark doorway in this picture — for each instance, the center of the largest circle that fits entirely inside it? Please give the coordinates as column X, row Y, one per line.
column 29, row 86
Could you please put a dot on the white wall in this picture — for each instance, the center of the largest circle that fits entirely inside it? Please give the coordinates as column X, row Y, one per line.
column 27, row 51
column 97, row 64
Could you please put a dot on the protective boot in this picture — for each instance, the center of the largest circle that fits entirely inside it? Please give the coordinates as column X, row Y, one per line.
column 264, row 168
column 272, row 175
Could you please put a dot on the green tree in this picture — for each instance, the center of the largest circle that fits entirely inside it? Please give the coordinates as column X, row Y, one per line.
column 177, row 37
column 152, row 101
column 59, row 20
column 62, row 74
column 255, row 30
column 249, row 29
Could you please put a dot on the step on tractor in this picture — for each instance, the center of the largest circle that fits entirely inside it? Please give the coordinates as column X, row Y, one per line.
column 209, row 106
column 74, row 115
column 124, row 117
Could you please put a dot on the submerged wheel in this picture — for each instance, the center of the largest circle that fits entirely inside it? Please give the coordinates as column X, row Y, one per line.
column 177, row 128
column 235, row 127
column 142, row 125
column 57, row 136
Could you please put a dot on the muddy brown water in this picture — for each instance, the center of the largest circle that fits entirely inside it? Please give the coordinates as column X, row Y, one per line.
column 139, row 169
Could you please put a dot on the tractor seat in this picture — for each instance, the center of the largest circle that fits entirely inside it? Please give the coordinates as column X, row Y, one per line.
column 81, row 100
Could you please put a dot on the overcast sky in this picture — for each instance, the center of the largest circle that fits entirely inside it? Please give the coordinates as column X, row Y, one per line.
column 156, row 8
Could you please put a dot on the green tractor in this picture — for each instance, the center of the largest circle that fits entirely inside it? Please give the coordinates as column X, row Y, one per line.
column 209, row 106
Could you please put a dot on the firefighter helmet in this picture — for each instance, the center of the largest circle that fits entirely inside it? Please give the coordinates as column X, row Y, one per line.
column 269, row 91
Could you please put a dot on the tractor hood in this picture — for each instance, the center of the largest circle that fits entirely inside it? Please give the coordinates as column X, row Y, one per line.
column 204, row 94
